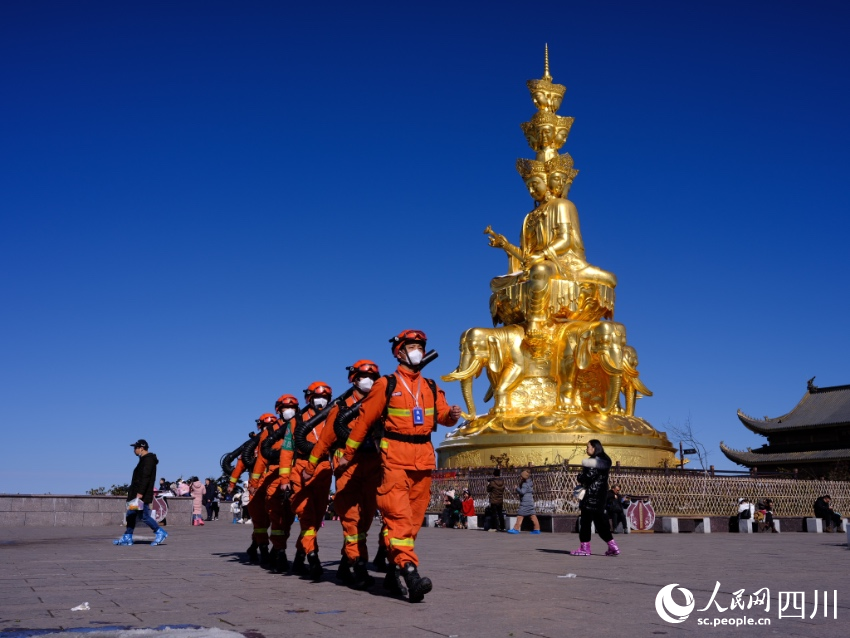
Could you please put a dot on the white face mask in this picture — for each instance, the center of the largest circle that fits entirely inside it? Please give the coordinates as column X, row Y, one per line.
column 415, row 357
column 319, row 403
column 287, row 414
column 364, row 384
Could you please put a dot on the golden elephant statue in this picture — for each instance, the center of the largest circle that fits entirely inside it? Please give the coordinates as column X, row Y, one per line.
column 586, row 365
column 499, row 350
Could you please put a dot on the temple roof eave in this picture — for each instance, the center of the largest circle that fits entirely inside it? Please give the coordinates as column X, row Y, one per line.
column 750, row 458
column 819, row 407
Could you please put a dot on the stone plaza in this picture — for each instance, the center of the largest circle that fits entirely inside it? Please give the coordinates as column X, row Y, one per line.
column 485, row 584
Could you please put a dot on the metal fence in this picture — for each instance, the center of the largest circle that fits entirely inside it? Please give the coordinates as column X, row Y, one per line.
column 672, row 492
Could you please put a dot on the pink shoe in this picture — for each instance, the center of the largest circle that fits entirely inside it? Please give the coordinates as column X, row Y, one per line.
column 613, row 550
column 195, row 523
column 583, row 550
column 200, row 521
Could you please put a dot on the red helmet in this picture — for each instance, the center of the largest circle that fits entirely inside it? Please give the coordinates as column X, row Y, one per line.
column 364, row 367
column 407, row 336
column 317, row 389
column 266, row 419
column 286, row 401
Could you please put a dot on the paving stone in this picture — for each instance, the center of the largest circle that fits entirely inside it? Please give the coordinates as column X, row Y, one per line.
column 484, row 584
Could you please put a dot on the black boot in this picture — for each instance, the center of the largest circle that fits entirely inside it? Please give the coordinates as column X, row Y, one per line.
column 379, row 563
column 316, row 569
column 416, row 584
column 253, row 556
column 343, row 574
column 394, row 583
column 361, row 579
column 281, row 563
column 297, row 566
column 272, row 559
column 264, row 555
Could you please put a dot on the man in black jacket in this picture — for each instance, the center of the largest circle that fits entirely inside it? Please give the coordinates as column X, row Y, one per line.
column 140, row 495
column 823, row 510
column 496, row 491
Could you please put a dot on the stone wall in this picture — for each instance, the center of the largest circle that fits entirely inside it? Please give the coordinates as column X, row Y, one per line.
column 19, row 510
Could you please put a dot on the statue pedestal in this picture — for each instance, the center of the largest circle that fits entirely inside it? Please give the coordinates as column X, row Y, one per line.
column 551, row 439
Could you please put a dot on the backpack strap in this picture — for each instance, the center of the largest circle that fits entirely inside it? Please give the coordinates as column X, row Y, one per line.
column 433, row 385
column 391, row 383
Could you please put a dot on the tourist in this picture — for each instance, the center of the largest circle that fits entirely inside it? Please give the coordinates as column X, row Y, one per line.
column 450, row 516
column 746, row 510
column 594, row 480
column 196, row 491
column 525, row 492
column 766, row 508
column 467, row 508
column 140, row 495
column 236, row 508
column 209, row 497
column 496, row 490
column 823, row 510
column 617, row 505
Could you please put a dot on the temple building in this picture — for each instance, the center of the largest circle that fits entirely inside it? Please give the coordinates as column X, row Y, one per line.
column 813, row 439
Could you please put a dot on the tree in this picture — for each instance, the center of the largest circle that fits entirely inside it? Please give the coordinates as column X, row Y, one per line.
column 690, row 438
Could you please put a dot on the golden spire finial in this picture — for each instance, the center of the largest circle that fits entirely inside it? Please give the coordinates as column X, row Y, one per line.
column 546, row 75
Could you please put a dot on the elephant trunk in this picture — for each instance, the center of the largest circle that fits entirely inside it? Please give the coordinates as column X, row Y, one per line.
column 461, row 374
column 611, row 361
column 466, row 391
column 614, row 385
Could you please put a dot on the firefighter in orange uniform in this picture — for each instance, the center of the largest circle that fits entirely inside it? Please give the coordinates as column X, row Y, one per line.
column 409, row 407
column 257, row 504
column 309, row 501
column 356, row 485
column 277, row 501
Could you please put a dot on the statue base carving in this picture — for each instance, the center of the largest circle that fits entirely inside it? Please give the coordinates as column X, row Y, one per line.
column 552, row 439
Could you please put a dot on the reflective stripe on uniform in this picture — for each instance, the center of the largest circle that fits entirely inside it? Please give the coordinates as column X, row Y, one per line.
column 261, row 530
column 234, row 480
column 385, row 445
column 284, row 471
column 353, row 538
column 277, row 532
column 401, row 542
column 352, row 444
column 338, row 454
column 406, row 412
column 313, row 460
column 385, row 532
column 307, row 532
column 256, row 476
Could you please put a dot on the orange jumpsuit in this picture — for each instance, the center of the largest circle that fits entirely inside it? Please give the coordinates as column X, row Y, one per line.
column 355, row 501
column 274, row 513
column 407, row 455
column 309, row 502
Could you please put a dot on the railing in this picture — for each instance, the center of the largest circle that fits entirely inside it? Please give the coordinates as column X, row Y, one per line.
column 673, row 492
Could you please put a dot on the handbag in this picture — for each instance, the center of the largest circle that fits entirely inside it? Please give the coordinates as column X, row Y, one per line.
column 579, row 492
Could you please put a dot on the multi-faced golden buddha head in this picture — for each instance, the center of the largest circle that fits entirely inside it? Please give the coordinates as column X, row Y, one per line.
column 546, row 130
column 534, row 175
column 546, row 95
column 560, row 174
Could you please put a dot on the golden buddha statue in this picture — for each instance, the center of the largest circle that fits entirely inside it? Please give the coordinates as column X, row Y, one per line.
column 559, row 364
column 549, row 270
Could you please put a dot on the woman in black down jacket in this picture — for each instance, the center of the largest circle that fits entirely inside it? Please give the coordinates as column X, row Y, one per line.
column 594, row 479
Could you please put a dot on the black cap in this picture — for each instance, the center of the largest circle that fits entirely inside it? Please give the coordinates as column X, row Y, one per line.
column 140, row 443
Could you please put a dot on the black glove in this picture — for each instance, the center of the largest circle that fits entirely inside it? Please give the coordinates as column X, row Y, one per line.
column 286, row 492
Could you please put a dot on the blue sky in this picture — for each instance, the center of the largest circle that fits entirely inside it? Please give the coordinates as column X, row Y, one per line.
column 207, row 205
